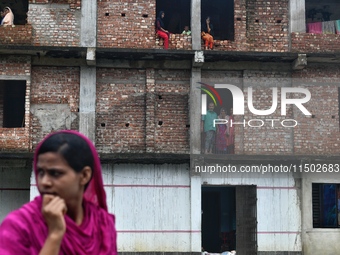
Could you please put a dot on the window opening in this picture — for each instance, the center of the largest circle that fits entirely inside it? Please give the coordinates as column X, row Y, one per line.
column 221, row 13
column 177, row 14
column 322, row 17
column 19, row 9
column 326, row 205
column 12, row 103
column 229, row 219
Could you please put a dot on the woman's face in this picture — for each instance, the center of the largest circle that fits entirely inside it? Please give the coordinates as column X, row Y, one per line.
column 56, row 177
column 163, row 14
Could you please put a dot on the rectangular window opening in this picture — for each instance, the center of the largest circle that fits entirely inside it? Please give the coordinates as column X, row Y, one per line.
column 229, row 219
column 221, row 13
column 19, row 9
column 177, row 14
column 318, row 13
column 12, row 103
column 326, row 205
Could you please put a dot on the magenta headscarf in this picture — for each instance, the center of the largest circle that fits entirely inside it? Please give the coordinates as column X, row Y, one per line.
column 95, row 192
column 24, row 231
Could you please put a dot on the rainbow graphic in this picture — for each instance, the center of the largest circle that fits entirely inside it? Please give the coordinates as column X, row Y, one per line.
column 211, row 91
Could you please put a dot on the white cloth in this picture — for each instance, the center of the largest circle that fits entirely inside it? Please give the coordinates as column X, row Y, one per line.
column 9, row 18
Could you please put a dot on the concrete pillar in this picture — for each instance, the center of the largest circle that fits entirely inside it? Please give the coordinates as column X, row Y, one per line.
column 87, row 102
column 297, row 16
column 195, row 111
column 196, row 213
column 195, row 150
column 88, row 31
column 150, row 111
column 196, row 24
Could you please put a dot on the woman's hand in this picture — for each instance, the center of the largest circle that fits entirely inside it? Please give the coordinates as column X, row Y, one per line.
column 53, row 210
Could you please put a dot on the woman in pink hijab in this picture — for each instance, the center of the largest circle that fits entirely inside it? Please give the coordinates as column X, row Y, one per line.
column 8, row 18
column 70, row 216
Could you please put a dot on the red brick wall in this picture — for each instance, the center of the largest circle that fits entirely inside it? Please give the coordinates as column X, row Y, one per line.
column 129, row 31
column 271, row 138
column 257, row 28
column 16, row 139
column 319, row 134
column 54, row 26
column 53, row 85
column 120, row 110
column 129, row 109
column 72, row 3
column 16, row 35
column 305, row 42
column 172, row 111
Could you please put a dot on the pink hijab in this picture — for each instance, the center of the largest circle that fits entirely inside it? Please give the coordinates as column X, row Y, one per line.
column 24, row 231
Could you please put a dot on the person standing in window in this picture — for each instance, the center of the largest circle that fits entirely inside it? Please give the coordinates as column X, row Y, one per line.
column 221, row 133
column 70, row 215
column 161, row 31
column 207, row 33
column 8, row 17
column 209, row 128
column 231, row 133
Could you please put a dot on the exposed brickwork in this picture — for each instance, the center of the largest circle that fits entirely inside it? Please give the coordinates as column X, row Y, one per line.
column 305, row 42
column 16, row 35
column 172, row 111
column 267, row 25
column 14, row 65
column 319, row 134
column 272, row 137
column 259, row 26
column 176, row 41
column 53, row 85
column 72, row 3
column 132, row 105
column 54, row 26
column 120, row 112
column 122, row 25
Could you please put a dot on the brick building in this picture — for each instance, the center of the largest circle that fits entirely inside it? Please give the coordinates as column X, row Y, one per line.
column 97, row 67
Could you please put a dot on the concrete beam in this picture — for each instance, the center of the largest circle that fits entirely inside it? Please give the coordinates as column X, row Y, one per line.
column 198, row 59
column 300, row 62
column 91, row 56
column 87, row 102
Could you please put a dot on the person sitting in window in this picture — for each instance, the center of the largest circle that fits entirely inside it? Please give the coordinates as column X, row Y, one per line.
column 8, row 17
column 186, row 31
column 161, row 31
column 207, row 34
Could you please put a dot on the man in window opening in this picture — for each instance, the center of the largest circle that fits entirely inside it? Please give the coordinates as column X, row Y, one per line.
column 8, row 17
column 207, row 125
column 161, row 31
column 207, row 33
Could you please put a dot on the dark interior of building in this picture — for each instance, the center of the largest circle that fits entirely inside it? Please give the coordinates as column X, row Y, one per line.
column 177, row 15
column 12, row 103
column 19, row 9
column 218, row 219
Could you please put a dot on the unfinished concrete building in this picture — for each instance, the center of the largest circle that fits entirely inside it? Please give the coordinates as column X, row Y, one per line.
column 97, row 66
